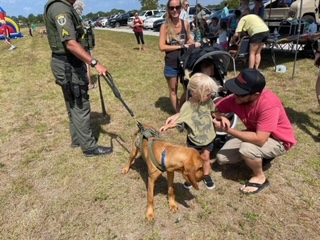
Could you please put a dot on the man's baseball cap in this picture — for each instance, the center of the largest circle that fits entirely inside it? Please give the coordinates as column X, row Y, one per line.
column 249, row 81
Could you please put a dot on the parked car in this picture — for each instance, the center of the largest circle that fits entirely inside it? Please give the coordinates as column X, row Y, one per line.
column 147, row 13
column 104, row 22
column 130, row 21
column 148, row 23
column 98, row 21
column 157, row 24
column 120, row 20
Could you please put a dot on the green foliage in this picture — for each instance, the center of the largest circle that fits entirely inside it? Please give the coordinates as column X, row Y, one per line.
column 149, row 4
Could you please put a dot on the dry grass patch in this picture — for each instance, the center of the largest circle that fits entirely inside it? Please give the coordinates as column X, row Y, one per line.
column 50, row 191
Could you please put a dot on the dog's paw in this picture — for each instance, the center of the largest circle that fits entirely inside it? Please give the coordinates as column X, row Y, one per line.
column 150, row 216
column 174, row 207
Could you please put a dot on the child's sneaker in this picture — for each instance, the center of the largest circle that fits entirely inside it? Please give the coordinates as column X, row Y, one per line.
column 208, row 182
column 187, row 185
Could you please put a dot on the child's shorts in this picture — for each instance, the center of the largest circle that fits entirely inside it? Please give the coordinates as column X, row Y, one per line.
column 208, row 147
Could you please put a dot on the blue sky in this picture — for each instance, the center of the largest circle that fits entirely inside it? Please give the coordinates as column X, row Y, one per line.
column 26, row 7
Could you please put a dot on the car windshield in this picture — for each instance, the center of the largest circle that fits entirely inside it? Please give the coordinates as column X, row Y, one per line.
column 159, row 14
column 142, row 13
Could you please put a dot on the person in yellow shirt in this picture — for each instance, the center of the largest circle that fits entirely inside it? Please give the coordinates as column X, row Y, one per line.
column 258, row 33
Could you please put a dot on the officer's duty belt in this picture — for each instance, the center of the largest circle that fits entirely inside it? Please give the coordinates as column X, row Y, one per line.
column 61, row 57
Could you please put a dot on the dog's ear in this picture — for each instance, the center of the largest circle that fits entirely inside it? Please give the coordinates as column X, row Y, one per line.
column 189, row 173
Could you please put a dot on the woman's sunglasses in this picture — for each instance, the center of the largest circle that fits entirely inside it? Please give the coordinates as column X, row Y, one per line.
column 172, row 8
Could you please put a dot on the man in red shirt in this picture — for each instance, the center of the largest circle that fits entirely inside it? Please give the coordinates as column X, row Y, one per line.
column 6, row 34
column 268, row 133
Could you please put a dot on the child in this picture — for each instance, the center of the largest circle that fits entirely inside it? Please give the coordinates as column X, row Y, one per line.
column 6, row 34
column 222, row 33
column 196, row 113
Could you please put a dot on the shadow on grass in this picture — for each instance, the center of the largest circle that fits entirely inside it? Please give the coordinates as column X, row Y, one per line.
column 304, row 122
column 161, row 186
column 281, row 57
column 165, row 105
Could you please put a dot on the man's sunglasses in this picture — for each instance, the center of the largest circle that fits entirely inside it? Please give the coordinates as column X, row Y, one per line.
column 172, row 8
column 241, row 95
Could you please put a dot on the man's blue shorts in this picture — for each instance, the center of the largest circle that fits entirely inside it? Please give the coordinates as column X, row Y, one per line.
column 171, row 72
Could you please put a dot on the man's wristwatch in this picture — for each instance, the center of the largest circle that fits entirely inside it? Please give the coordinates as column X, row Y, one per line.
column 93, row 62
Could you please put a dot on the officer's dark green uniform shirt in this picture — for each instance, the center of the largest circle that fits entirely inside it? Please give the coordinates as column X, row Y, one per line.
column 63, row 23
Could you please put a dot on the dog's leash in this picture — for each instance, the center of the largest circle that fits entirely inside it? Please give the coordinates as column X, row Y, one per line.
column 112, row 85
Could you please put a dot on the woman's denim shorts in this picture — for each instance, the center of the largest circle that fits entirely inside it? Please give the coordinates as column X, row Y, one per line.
column 171, row 72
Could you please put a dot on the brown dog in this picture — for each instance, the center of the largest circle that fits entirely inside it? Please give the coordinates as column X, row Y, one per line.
column 170, row 158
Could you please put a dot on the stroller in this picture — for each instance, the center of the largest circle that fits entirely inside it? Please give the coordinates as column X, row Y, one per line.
column 190, row 63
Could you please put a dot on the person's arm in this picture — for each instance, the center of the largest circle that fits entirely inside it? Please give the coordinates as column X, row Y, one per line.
column 77, row 50
column 222, row 124
column 170, row 122
column 187, row 27
column 258, row 138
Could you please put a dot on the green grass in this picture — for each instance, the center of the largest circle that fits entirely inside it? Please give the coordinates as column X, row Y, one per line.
column 50, row 191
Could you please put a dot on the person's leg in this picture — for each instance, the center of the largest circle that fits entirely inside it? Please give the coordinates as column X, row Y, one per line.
column 173, row 92
column 258, row 55
column 253, row 155
column 229, row 153
column 138, row 39
column 142, row 40
column 206, row 162
column 252, row 55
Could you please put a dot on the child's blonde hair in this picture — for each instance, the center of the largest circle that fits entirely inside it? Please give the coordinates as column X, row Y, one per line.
column 202, row 84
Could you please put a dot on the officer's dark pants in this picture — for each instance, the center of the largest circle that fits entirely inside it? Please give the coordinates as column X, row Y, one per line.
column 78, row 108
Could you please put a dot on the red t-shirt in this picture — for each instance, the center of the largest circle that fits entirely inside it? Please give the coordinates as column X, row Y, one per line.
column 139, row 28
column 267, row 115
column 6, row 30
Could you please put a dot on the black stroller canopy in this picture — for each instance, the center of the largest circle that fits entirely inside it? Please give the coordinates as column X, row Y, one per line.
column 192, row 58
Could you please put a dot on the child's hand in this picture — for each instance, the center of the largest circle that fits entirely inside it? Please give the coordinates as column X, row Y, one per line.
column 222, row 124
column 163, row 129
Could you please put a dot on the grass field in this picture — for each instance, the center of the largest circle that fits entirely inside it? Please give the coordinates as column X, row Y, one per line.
column 51, row 191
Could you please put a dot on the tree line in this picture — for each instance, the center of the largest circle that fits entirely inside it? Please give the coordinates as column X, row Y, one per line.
column 145, row 5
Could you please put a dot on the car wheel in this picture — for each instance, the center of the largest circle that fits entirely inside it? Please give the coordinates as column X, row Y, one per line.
column 117, row 24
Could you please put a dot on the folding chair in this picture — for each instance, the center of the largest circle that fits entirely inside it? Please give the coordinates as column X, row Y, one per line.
column 242, row 53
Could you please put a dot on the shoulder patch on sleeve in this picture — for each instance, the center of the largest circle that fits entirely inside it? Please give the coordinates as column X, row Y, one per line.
column 65, row 33
column 61, row 19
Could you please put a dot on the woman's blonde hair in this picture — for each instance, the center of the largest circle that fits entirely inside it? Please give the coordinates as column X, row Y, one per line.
column 202, row 84
column 171, row 34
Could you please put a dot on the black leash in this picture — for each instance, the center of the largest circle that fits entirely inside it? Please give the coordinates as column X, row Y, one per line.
column 104, row 111
column 110, row 82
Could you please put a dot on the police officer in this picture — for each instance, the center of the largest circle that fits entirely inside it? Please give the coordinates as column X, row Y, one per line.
column 68, row 64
